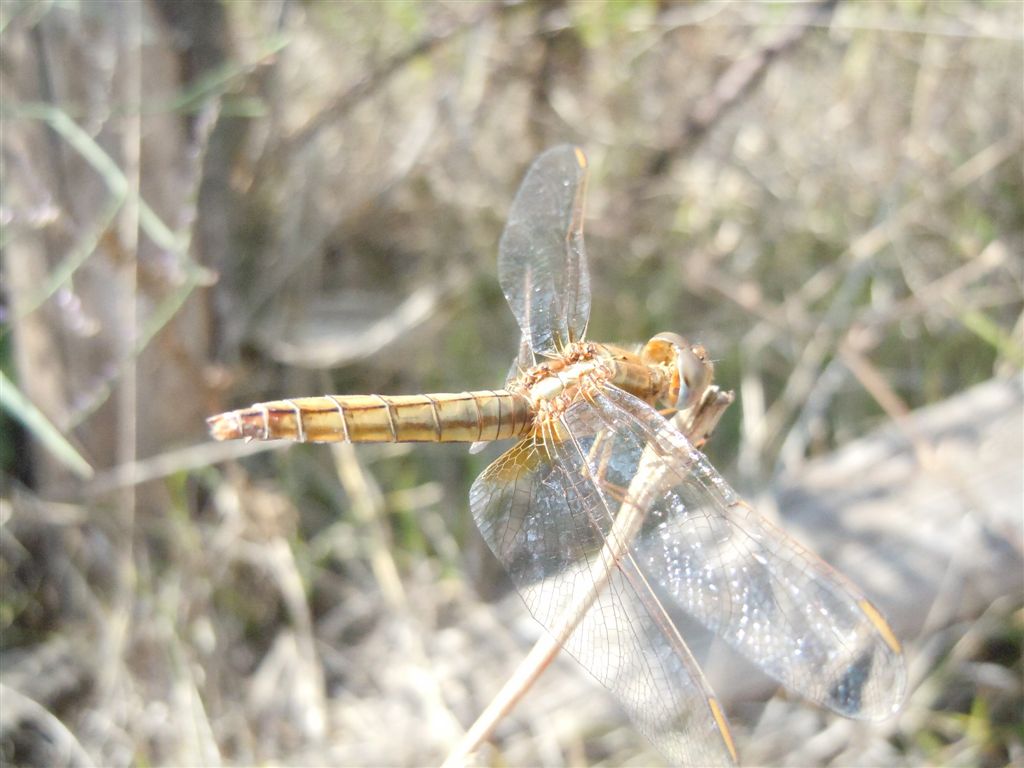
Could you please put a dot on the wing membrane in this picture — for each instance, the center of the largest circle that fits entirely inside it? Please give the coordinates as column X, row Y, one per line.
column 542, row 265
column 599, row 524
column 549, row 525
column 743, row 578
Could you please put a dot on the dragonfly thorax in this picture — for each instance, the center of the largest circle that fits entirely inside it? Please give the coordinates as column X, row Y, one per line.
column 666, row 373
column 556, row 383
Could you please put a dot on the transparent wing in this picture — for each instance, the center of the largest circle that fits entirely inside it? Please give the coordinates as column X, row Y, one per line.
column 551, row 527
column 542, row 265
column 522, row 361
column 775, row 602
column 621, row 479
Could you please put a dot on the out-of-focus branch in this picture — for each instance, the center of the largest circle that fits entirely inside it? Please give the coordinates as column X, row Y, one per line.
column 381, row 74
column 736, row 82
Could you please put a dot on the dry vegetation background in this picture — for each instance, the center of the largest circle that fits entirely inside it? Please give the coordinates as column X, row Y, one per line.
column 210, row 204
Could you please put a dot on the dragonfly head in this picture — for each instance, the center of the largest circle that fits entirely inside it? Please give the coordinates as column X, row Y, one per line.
column 686, row 368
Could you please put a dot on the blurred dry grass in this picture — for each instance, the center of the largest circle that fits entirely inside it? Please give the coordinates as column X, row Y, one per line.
column 206, row 205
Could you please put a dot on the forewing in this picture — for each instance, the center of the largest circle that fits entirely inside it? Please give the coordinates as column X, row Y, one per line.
column 549, row 524
column 522, row 362
column 542, row 265
column 775, row 602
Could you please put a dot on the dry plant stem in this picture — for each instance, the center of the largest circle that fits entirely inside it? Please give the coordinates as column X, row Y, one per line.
column 526, row 674
column 18, row 707
column 379, row 76
column 367, row 508
column 188, row 459
column 838, row 318
column 697, row 424
column 627, row 522
column 873, row 380
column 737, row 81
column 116, row 638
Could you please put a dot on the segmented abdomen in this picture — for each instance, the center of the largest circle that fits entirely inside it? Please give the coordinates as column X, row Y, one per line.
column 440, row 418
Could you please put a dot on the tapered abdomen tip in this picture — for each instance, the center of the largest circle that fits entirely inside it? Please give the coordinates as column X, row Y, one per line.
column 225, row 426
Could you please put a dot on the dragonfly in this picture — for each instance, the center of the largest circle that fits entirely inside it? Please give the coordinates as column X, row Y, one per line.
column 607, row 516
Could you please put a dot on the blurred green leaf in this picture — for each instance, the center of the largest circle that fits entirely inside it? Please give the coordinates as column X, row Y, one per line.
column 21, row 408
column 992, row 334
column 407, row 14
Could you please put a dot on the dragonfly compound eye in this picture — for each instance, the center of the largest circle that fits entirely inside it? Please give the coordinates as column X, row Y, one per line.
column 687, row 367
